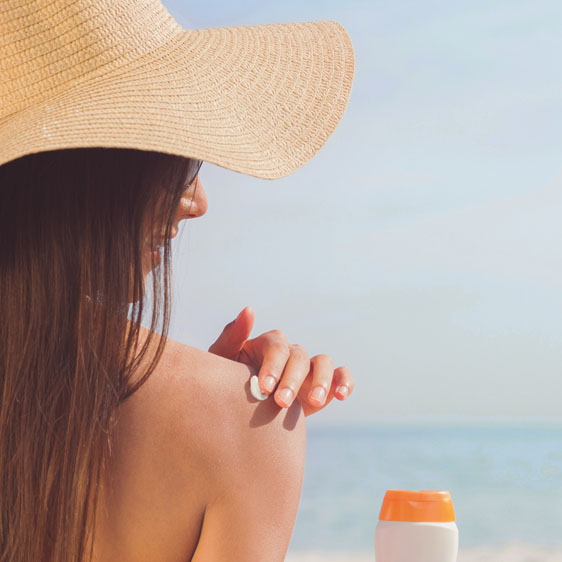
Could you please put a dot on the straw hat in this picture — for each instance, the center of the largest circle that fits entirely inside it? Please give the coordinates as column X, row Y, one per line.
column 260, row 100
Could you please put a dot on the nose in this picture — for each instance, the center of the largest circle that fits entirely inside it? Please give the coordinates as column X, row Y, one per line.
column 194, row 202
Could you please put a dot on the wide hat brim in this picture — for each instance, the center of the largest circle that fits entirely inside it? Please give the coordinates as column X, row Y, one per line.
column 260, row 100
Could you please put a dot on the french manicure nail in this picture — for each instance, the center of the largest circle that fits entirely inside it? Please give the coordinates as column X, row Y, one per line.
column 318, row 394
column 269, row 383
column 286, row 396
column 343, row 390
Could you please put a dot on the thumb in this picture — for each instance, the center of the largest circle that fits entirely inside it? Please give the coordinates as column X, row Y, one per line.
column 234, row 335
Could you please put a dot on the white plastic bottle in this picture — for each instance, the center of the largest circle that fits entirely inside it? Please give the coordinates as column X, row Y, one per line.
column 416, row 527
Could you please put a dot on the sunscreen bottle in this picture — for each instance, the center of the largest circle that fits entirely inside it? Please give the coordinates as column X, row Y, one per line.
column 416, row 527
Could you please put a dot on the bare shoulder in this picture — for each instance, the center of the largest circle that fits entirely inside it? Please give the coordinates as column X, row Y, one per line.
column 211, row 464
column 204, row 402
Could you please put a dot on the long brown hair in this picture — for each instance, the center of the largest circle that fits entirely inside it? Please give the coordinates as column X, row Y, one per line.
column 72, row 235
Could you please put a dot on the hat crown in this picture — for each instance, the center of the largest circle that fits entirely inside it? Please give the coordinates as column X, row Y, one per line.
column 44, row 44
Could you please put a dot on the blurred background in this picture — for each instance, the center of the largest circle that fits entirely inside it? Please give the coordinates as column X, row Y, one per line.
column 421, row 248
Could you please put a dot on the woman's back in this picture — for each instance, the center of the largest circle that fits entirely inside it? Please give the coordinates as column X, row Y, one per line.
column 200, row 470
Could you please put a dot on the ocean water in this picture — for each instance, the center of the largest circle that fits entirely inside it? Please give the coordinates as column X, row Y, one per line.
column 506, row 485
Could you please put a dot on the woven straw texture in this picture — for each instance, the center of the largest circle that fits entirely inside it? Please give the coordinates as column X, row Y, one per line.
column 261, row 100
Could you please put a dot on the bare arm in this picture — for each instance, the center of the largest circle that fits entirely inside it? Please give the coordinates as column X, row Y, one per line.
column 251, row 513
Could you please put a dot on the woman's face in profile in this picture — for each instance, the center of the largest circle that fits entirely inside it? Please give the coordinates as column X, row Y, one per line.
column 193, row 204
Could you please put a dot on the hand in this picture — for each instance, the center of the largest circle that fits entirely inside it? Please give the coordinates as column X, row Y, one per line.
column 312, row 380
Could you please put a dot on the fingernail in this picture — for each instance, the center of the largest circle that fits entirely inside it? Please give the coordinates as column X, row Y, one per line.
column 285, row 396
column 343, row 390
column 318, row 394
column 269, row 383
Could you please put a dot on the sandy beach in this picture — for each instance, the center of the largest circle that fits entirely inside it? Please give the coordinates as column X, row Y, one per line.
column 509, row 553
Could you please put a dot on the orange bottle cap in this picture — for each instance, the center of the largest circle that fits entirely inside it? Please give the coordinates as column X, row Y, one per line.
column 424, row 506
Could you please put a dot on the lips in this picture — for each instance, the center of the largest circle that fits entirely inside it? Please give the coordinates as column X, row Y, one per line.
column 160, row 244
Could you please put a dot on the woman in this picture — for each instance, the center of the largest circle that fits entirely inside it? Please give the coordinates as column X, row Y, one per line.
column 117, row 443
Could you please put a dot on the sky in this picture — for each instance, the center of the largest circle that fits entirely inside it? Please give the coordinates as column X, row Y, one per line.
column 421, row 246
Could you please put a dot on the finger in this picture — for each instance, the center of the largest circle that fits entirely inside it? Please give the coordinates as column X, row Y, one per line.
column 232, row 338
column 322, row 370
column 343, row 383
column 296, row 371
column 244, row 323
column 276, row 353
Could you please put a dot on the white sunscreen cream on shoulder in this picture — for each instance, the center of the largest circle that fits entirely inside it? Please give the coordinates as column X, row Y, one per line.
column 256, row 390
